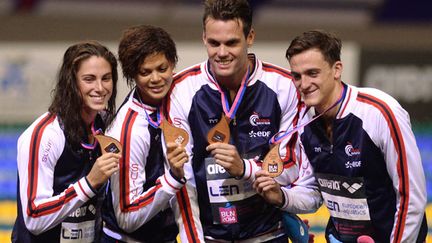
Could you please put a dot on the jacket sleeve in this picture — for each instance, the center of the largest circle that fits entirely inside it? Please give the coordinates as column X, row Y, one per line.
column 404, row 166
column 39, row 148
column 185, row 206
column 302, row 195
column 291, row 113
column 134, row 206
column 300, row 189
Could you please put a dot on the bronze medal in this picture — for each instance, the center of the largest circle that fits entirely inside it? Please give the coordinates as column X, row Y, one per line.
column 272, row 162
column 108, row 144
column 174, row 134
column 219, row 133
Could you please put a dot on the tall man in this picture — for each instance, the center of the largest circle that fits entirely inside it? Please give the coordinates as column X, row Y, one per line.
column 257, row 100
column 361, row 148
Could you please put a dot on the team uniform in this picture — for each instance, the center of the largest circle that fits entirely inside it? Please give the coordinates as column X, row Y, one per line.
column 370, row 176
column 228, row 208
column 55, row 201
column 138, row 200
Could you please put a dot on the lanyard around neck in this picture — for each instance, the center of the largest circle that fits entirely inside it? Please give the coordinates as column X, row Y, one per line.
column 231, row 111
column 278, row 137
column 159, row 115
column 94, row 132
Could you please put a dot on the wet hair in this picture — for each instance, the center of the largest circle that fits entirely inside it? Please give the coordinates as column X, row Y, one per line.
column 328, row 44
column 139, row 42
column 67, row 99
column 229, row 10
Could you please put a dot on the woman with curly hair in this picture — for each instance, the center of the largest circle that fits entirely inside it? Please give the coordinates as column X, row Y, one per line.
column 150, row 175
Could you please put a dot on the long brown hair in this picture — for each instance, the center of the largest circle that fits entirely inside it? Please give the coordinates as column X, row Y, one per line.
column 67, row 101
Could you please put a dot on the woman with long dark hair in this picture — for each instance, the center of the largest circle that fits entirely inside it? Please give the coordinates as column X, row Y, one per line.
column 61, row 172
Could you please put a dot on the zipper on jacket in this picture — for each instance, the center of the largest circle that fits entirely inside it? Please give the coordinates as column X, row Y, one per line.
column 233, row 130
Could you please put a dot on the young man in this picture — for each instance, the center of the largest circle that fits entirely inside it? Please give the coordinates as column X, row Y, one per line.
column 258, row 100
column 361, row 148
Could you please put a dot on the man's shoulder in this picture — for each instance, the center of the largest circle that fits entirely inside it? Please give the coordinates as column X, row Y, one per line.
column 369, row 96
column 275, row 77
column 194, row 70
column 275, row 69
column 189, row 80
column 47, row 128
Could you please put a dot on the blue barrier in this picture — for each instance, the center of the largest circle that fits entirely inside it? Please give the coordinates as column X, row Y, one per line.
column 424, row 143
column 8, row 171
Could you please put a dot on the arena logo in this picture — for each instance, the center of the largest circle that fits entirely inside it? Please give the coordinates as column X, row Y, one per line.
column 213, row 169
column 352, row 188
column 255, row 120
column 330, row 184
column 82, row 211
column 350, row 150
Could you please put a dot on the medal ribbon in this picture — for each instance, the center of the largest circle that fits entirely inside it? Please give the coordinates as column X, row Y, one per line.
column 159, row 115
column 159, row 118
column 279, row 136
column 230, row 112
column 94, row 132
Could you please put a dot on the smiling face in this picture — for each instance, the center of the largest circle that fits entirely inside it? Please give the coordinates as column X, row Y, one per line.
column 227, row 49
column 154, row 78
column 316, row 79
column 94, row 79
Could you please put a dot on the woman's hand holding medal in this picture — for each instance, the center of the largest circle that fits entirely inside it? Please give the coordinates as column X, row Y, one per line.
column 176, row 140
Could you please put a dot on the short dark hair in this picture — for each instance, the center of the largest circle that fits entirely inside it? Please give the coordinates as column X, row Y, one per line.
column 229, row 10
column 329, row 45
column 139, row 42
column 67, row 101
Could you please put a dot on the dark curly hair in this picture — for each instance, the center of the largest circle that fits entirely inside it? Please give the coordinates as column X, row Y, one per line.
column 139, row 42
column 67, row 101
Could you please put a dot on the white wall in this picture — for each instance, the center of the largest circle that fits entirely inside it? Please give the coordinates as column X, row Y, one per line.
column 28, row 72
